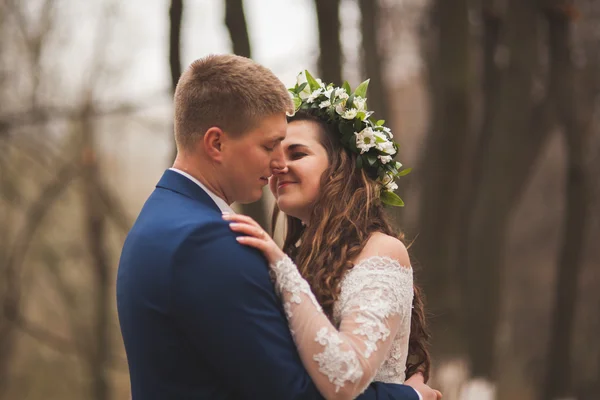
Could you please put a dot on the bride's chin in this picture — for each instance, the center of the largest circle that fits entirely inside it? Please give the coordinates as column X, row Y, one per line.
column 287, row 208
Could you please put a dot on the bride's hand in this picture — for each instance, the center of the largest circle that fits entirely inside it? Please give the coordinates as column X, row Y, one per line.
column 256, row 236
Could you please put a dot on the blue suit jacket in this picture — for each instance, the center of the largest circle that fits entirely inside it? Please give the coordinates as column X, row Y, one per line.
column 198, row 313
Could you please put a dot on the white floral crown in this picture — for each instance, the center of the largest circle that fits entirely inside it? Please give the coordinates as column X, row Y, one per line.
column 372, row 141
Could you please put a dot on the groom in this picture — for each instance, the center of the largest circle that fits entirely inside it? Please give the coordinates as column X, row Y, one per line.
column 198, row 313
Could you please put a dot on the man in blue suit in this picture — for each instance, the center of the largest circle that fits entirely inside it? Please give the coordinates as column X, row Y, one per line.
column 198, row 312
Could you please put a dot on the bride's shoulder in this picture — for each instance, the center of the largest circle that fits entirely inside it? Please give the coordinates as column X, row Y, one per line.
column 385, row 247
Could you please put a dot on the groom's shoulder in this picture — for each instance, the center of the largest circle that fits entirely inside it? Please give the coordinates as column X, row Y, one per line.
column 174, row 219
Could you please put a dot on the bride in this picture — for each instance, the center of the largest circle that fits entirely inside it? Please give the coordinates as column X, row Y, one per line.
column 344, row 276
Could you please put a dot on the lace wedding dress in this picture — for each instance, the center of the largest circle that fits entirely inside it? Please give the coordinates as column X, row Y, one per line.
column 369, row 341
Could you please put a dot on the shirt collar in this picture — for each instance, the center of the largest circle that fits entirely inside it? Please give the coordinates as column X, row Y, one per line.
column 223, row 206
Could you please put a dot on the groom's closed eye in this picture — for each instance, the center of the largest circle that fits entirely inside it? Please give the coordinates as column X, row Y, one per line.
column 273, row 143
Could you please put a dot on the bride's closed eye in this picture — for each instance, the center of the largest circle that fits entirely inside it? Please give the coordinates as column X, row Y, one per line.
column 297, row 155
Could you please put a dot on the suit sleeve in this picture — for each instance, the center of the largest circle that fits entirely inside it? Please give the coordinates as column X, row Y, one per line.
column 225, row 303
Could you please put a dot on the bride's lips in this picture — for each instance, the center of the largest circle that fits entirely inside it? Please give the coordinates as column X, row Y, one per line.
column 283, row 184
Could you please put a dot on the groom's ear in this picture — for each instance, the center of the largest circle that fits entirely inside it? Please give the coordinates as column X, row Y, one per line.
column 213, row 141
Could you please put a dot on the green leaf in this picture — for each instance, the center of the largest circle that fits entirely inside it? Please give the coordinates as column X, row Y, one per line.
column 346, row 140
column 380, row 122
column 297, row 102
column 371, row 159
column 301, row 87
column 404, row 172
column 359, row 162
column 346, row 129
column 346, row 87
column 314, row 85
column 352, row 146
column 361, row 90
column 391, row 199
column 350, row 102
column 331, row 112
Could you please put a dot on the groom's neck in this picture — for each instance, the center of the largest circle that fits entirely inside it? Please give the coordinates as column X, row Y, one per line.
column 205, row 174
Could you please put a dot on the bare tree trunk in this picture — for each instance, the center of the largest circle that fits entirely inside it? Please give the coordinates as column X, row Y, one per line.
column 443, row 163
column 330, row 56
column 576, row 119
column 175, row 17
column 373, row 63
column 517, row 131
column 235, row 20
column 95, row 230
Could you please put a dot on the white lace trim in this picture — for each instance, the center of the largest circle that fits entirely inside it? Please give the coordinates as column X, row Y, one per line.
column 339, row 366
column 288, row 278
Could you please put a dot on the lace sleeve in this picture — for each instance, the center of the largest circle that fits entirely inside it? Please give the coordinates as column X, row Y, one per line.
column 343, row 362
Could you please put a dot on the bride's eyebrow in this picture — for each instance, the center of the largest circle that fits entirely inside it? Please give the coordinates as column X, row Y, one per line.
column 295, row 146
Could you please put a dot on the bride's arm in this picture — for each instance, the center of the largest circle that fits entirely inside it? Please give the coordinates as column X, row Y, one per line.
column 343, row 362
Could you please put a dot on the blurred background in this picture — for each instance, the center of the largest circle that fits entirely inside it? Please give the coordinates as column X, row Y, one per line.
column 496, row 107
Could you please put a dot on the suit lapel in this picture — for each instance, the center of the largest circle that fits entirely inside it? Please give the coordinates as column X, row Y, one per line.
column 178, row 183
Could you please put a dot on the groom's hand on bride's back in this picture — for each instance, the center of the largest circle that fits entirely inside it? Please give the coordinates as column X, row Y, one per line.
column 417, row 382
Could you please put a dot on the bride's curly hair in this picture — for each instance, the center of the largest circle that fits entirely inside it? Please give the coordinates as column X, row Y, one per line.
column 345, row 214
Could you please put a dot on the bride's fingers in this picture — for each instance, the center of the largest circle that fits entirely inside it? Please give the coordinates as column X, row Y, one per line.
column 252, row 242
column 241, row 218
column 247, row 229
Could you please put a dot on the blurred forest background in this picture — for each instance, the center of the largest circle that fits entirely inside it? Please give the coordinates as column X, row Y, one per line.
column 496, row 106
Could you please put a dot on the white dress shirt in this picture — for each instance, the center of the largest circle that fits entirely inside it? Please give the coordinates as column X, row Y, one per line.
column 223, row 206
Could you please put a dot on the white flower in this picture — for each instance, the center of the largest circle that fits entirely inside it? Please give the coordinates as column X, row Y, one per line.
column 341, row 93
column 305, row 93
column 385, row 159
column 313, row 96
column 328, row 92
column 379, row 135
column 341, row 108
column 350, row 114
column 359, row 103
column 386, row 147
column 325, row 104
column 365, row 140
column 320, row 82
column 301, row 78
column 388, row 183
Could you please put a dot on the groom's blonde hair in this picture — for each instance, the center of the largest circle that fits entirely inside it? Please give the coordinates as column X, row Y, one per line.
column 227, row 91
